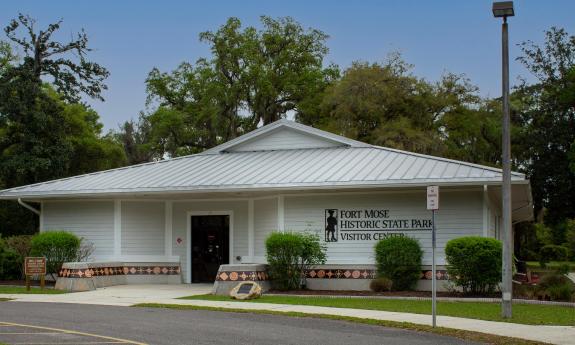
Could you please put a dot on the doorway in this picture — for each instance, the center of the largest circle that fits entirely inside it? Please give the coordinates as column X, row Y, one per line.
column 210, row 246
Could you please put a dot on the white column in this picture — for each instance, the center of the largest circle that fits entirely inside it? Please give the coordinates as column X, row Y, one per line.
column 41, row 225
column 117, row 229
column 251, row 244
column 485, row 212
column 168, row 229
column 281, row 213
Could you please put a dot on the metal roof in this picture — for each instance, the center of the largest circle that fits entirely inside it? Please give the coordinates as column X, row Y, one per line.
column 269, row 129
column 353, row 164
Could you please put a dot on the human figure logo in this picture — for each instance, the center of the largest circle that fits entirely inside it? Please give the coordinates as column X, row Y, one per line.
column 331, row 225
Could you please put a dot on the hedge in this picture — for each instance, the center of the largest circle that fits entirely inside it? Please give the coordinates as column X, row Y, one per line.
column 474, row 263
column 399, row 260
column 57, row 246
column 289, row 254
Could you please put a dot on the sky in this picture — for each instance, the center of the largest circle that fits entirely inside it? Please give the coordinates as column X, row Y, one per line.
column 132, row 37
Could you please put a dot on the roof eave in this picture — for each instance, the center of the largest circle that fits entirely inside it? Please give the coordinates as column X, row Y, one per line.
column 260, row 188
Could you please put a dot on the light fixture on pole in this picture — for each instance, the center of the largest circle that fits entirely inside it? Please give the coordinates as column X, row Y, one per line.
column 503, row 10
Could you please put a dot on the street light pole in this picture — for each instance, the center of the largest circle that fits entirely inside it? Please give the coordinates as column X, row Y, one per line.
column 504, row 10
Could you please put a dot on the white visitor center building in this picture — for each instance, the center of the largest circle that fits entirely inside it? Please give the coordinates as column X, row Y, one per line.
column 178, row 220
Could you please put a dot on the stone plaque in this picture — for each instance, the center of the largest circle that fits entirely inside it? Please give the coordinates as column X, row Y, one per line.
column 246, row 290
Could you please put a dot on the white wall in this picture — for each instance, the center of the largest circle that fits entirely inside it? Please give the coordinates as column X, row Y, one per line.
column 92, row 220
column 460, row 214
column 143, row 227
column 265, row 222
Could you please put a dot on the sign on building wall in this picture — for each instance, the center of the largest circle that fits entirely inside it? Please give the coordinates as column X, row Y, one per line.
column 369, row 224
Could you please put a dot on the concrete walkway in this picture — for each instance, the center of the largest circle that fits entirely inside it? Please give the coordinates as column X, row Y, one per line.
column 127, row 295
column 120, row 295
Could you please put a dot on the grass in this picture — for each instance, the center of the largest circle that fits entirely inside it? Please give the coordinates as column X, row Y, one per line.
column 529, row 314
column 4, row 300
column 22, row 290
column 551, row 265
column 450, row 332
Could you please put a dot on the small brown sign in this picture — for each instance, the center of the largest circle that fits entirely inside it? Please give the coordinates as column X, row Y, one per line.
column 34, row 265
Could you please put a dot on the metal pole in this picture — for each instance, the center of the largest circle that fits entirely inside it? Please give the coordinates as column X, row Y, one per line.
column 434, row 278
column 506, row 287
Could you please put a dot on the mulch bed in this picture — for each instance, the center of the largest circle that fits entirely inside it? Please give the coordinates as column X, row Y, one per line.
column 387, row 294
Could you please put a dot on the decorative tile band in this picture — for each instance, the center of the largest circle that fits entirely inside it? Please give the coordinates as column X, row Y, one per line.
column 242, row 276
column 118, row 270
column 363, row 274
column 152, row 270
column 340, row 274
column 319, row 274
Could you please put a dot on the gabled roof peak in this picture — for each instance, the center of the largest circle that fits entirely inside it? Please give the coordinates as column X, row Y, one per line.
column 287, row 135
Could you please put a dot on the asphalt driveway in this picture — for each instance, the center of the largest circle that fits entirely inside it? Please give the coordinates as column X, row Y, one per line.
column 120, row 325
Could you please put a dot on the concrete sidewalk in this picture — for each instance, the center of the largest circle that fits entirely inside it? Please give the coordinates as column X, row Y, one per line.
column 127, row 295
column 120, row 295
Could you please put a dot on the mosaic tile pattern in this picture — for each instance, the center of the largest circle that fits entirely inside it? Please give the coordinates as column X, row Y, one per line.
column 340, row 274
column 362, row 274
column 118, row 270
column 242, row 276
column 320, row 274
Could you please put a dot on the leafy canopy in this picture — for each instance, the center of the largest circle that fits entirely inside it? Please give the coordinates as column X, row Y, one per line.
column 254, row 76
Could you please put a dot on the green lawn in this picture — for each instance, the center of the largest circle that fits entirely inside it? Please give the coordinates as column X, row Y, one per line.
column 551, row 265
column 22, row 290
column 530, row 314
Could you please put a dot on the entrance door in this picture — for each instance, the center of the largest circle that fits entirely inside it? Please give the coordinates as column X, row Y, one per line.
column 210, row 246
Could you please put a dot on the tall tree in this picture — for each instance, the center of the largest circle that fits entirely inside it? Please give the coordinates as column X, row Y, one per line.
column 72, row 74
column 194, row 111
column 135, row 138
column 44, row 132
column 91, row 149
column 37, row 123
column 548, row 116
column 7, row 56
column 275, row 68
column 33, row 145
column 385, row 104
column 253, row 76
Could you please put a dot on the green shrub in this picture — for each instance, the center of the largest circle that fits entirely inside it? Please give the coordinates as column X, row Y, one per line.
column 399, row 260
column 21, row 246
column 289, row 254
column 9, row 262
column 563, row 268
column 544, row 234
column 57, row 246
column 557, row 286
column 474, row 263
column 381, row 284
column 552, row 252
column 560, row 292
column 570, row 237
